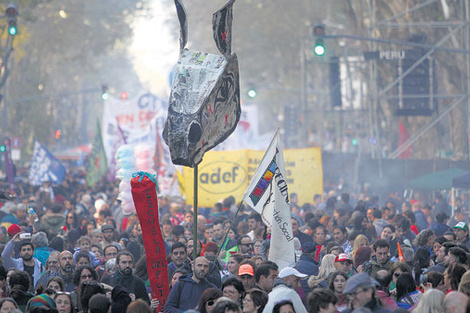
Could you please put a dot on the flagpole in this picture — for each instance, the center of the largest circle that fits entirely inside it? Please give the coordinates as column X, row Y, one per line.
column 195, row 241
column 231, row 225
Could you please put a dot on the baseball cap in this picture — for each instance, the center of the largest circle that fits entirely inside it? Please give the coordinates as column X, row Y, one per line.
column 342, row 257
column 362, row 280
column 461, row 225
column 246, row 269
column 288, row 271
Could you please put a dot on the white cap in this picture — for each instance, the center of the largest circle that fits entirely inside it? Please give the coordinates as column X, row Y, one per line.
column 288, row 271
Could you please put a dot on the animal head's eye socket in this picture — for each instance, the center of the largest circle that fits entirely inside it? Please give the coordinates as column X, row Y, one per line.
column 195, row 133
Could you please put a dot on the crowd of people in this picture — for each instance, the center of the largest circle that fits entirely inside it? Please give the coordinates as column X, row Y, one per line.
column 70, row 248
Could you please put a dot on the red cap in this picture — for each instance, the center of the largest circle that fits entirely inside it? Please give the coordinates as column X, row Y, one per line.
column 246, row 269
column 13, row 229
column 342, row 257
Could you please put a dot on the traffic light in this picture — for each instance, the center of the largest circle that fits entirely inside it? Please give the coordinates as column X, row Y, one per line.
column 12, row 12
column 252, row 93
column 104, row 92
column 124, row 96
column 335, row 83
column 57, row 134
column 319, row 47
column 3, row 148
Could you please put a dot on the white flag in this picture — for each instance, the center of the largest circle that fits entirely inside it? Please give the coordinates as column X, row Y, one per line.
column 267, row 194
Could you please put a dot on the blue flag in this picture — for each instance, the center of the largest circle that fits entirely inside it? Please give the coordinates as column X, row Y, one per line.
column 45, row 167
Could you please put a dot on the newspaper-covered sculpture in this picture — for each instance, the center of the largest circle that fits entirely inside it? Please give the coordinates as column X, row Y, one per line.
column 204, row 106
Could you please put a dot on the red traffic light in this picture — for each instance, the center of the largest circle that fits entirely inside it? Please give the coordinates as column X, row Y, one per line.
column 11, row 9
column 57, row 134
column 319, row 31
column 124, row 96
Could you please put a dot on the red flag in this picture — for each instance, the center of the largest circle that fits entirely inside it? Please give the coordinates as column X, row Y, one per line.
column 145, row 199
column 401, row 257
column 403, row 136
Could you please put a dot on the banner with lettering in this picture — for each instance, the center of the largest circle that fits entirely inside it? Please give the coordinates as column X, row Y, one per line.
column 137, row 120
column 268, row 195
column 144, row 194
column 227, row 173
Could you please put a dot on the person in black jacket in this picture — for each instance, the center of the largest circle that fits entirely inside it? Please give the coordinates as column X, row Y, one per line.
column 186, row 293
column 124, row 277
column 307, row 264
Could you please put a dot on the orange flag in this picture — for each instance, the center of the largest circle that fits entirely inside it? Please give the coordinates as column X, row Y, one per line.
column 401, row 257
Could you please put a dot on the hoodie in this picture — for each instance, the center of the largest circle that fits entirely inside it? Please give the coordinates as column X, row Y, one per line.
column 53, row 222
column 185, row 294
column 281, row 291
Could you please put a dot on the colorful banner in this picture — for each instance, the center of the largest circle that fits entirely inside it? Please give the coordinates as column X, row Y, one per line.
column 227, row 173
column 45, row 167
column 97, row 164
column 145, row 199
column 268, row 195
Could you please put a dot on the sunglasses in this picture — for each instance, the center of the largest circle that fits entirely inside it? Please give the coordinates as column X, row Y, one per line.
column 86, row 276
column 397, row 275
column 210, row 302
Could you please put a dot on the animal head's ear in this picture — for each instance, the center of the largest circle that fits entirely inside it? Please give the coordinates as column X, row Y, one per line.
column 222, row 27
column 181, row 11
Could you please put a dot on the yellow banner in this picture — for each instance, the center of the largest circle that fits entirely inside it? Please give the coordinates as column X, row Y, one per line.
column 228, row 173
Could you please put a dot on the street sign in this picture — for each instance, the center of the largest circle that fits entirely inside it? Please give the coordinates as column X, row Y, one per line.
column 391, row 55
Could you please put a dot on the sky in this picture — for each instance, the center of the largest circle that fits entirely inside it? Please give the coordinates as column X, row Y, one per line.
column 154, row 50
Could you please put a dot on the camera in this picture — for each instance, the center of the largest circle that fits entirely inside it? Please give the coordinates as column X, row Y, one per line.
column 25, row 236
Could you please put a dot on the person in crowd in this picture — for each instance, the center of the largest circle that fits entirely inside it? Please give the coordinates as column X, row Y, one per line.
column 41, row 247
column 189, row 288
column 461, row 231
column 303, row 238
column 362, row 255
column 207, row 300
column 359, row 241
column 226, row 305
column 322, row 300
column 254, row 301
column 442, row 258
column 7, row 304
column 19, row 282
column 433, row 280
column 55, row 283
column 344, row 264
column 232, row 266
column 246, row 275
column 425, row 239
column 452, row 276
column 340, row 236
column 176, row 276
column 109, row 233
column 360, row 289
column 138, row 306
column 64, row 302
column 336, row 284
column 421, row 262
column 219, row 235
column 286, row 287
column 43, row 301
column 431, row 302
column 327, row 266
column 54, row 219
column 407, row 294
column 125, row 278
column 306, row 264
column 440, row 227
column 265, row 275
column 80, row 276
column 455, row 302
column 284, row 306
column 320, row 241
column 381, row 259
column 179, row 255
column 233, row 288
column 396, row 270
column 109, row 252
column 384, row 278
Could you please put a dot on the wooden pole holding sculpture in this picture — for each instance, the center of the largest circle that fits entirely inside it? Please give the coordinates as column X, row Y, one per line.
column 195, row 241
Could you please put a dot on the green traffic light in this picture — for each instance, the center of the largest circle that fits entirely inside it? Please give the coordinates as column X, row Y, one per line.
column 252, row 93
column 12, row 31
column 354, row 141
column 319, row 48
column 3, row 148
